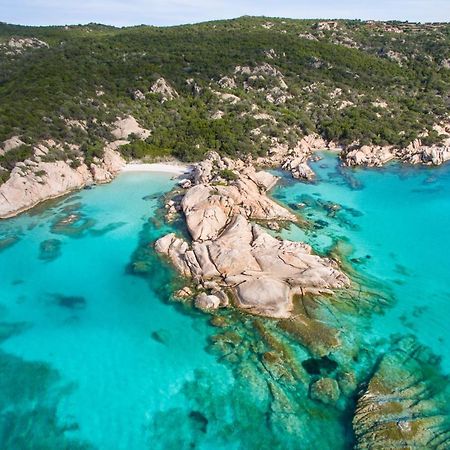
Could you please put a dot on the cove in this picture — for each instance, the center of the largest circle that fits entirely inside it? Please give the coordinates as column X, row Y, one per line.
column 111, row 350
column 94, row 355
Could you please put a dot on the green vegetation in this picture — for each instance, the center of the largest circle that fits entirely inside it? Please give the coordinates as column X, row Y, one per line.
column 9, row 159
column 360, row 81
column 228, row 175
column 142, row 150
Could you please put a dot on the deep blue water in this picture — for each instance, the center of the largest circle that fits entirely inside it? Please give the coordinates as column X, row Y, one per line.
column 93, row 355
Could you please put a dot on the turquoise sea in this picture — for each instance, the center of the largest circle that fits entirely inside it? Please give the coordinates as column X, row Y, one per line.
column 93, row 354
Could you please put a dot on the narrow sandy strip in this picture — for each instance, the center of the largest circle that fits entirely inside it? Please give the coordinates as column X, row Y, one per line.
column 177, row 169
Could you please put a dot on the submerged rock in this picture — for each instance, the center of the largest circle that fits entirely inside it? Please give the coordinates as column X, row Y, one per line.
column 405, row 403
column 50, row 249
column 325, row 390
column 69, row 301
column 8, row 241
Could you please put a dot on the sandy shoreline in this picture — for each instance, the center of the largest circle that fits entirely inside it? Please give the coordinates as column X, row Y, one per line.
column 178, row 169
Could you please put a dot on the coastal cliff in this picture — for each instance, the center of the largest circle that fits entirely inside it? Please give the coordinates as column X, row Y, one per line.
column 44, row 175
column 32, row 182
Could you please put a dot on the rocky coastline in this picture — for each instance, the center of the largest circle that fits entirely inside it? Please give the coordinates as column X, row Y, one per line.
column 415, row 153
column 39, row 178
column 231, row 263
column 230, row 259
column 33, row 182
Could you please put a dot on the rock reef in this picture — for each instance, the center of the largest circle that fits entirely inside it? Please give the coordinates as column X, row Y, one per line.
column 405, row 403
column 233, row 260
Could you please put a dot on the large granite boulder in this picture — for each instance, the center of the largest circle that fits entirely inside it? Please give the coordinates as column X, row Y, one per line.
column 262, row 273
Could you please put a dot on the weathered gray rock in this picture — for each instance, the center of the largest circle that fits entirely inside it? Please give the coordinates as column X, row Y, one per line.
column 16, row 45
column 370, row 156
column 295, row 159
column 11, row 144
column 414, row 153
column 162, row 87
column 138, row 95
column 207, row 302
column 227, row 82
column 127, row 126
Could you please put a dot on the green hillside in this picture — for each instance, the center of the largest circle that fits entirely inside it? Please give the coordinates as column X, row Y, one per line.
column 373, row 82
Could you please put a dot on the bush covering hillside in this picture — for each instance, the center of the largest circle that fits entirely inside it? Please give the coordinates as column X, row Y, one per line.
column 348, row 81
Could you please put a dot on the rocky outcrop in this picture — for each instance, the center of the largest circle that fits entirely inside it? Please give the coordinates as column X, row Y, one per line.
column 294, row 160
column 10, row 144
column 227, row 82
column 224, row 96
column 414, row 153
column 16, row 46
column 209, row 208
column 137, row 95
column 405, row 403
column 127, row 126
column 370, row 156
column 162, row 87
column 32, row 182
column 229, row 257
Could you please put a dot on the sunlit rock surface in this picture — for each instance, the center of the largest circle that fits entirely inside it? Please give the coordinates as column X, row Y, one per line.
column 261, row 273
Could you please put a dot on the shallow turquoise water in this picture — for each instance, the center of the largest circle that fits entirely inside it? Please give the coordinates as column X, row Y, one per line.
column 101, row 343
column 93, row 355
column 399, row 216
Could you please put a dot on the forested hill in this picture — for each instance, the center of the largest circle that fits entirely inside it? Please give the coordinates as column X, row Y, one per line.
column 226, row 85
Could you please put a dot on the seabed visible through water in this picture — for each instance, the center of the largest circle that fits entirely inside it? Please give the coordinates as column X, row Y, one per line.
column 95, row 355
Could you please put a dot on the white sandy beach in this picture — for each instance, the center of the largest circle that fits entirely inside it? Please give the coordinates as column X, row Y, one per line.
column 177, row 169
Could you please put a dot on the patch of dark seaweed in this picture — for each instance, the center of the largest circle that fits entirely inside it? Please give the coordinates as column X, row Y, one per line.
column 29, row 397
column 50, row 249
column 200, row 419
column 320, row 366
column 73, row 225
column 160, row 336
column 107, row 228
column 69, row 301
column 8, row 241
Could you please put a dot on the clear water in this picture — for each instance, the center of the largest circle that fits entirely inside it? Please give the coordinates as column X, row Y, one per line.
column 400, row 217
column 100, row 343
column 92, row 355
